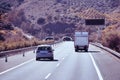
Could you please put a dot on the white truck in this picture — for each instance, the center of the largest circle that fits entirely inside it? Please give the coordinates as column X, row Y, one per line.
column 81, row 41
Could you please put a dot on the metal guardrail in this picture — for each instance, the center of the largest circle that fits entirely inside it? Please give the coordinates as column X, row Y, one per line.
column 6, row 54
column 3, row 52
column 22, row 51
column 107, row 49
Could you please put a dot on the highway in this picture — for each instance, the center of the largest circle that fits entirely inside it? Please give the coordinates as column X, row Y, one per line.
column 96, row 64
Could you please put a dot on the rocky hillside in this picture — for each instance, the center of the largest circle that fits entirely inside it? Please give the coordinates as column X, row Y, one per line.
column 11, row 37
column 33, row 16
column 42, row 18
column 39, row 13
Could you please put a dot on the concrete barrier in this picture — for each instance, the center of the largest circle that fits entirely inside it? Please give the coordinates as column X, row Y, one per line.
column 107, row 49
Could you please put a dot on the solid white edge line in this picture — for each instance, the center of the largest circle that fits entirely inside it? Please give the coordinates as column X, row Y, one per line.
column 47, row 76
column 16, row 67
column 96, row 67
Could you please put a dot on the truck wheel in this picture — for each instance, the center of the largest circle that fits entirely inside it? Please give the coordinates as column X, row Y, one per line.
column 86, row 50
column 76, row 50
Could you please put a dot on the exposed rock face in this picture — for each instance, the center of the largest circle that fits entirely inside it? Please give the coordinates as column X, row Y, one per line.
column 58, row 18
column 34, row 16
column 113, row 3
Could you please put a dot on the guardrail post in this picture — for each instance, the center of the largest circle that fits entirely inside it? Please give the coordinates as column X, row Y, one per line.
column 23, row 54
column 53, row 45
column 6, row 58
column 33, row 51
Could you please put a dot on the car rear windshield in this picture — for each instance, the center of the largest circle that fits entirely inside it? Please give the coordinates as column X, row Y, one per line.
column 44, row 48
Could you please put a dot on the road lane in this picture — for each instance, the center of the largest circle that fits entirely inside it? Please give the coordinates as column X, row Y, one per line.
column 108, row 64
column 69, row 65
column 19, row 59
column 77, row 66
column 35, row 70
column 15, row 60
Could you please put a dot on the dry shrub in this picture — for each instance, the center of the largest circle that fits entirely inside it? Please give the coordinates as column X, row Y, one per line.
column 2, row 47
column 93, row 37
column 111, row 38
column 21, row 44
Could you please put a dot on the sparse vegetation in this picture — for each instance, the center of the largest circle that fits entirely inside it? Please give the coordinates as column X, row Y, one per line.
column 41, row 21
column 58, row 18
column 1, row 37
column 59, row 27
column 111, row 37
column 4, row 7
column 4, row 46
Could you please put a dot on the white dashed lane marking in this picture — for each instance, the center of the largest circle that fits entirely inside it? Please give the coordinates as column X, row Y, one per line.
column 47, row 76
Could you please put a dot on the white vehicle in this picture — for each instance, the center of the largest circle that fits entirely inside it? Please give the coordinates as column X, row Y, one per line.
column 81, row 41
column 44, row 51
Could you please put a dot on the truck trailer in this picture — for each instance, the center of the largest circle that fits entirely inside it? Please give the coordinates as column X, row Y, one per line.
column 81, row 41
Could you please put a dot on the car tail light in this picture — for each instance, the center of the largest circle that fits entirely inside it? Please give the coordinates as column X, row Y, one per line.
column 50, row 51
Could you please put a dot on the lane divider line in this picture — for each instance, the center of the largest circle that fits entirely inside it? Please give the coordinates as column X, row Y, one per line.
column 47, row 76
column 51, row 73
column 96, row 67
column 58, row 65
column 63, row 58
column 16, row 66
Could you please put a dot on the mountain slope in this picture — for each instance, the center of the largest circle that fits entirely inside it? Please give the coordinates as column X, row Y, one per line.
column 27, row 15
column 91, row 14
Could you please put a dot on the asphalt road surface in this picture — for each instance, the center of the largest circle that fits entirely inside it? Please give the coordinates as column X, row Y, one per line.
column 96, row 64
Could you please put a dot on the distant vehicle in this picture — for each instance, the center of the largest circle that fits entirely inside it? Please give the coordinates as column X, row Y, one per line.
column 67, row 38
column 44, row 51
column 49, row 38
column 81, row 41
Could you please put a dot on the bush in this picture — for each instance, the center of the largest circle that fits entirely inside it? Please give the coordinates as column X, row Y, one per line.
column 2, row 38
column 4, row 46
column 8, row 27
column 111, row 38
column 4, row 7
column 41, row 21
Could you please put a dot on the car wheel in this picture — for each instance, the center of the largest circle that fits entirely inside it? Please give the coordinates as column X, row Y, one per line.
column 86, row 50
column 37, row 59
column 52, row 59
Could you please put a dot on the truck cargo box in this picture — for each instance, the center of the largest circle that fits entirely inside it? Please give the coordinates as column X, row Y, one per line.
column 81, row 41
